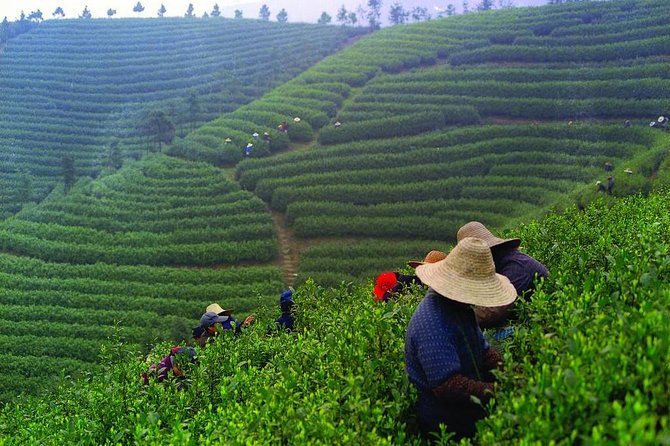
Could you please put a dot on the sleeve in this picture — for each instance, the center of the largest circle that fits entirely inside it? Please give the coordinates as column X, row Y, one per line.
column 436, row 352
column 459, row 388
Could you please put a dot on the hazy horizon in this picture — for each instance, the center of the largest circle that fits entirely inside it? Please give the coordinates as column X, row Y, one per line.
column 298, row 11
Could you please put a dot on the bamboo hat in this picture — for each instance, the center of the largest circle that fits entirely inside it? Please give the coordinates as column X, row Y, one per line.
column 432, row 257
column 468, row 275
column 216, row 308
column 478, row 230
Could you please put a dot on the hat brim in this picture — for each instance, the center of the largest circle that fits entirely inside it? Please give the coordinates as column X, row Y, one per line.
column 415, row 263
column 226, row 312
column 492, row 291
column 498, row 243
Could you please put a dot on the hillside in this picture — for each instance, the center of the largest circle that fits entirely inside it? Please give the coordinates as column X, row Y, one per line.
column 79, row 87
column 485, row 116
column 494, row 116
column 587, row 363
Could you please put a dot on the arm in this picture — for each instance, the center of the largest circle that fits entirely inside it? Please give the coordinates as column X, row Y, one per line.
column 492, row 316
column 458, row 387
column 492, row 359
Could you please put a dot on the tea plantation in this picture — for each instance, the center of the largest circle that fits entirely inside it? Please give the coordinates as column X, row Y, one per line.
column 587, row 363
column 494, row 117
column 363, row 152
column 76, row 87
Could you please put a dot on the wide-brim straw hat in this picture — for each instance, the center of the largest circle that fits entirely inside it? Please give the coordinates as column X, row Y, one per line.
column 478, row 230
column 432, row 257
column 216, row 308
column 468, row 275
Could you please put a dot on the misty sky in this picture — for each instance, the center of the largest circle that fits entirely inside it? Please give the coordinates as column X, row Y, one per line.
column 298, row 10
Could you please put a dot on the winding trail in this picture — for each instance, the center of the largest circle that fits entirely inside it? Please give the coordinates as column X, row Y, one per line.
column 289, row 254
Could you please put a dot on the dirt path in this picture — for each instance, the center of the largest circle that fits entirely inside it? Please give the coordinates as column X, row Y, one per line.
column 289, row 255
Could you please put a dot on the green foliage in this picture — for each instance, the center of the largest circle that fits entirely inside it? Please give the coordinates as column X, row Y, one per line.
column 592, row 341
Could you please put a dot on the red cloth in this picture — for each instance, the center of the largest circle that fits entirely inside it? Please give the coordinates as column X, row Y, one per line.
column 385, row 282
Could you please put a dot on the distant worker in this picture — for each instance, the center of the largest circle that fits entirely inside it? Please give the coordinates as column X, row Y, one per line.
column 610, row 184
column 521, row 269
column 283, row 127
column 229, row 323
column 338, row 124
column 447, row 358
column 627, row 123
column 227, row 140
column 208, row 322
column 255, row 135
column 296, row 119
column 628, row 171
column 247, row 149
column 608, row 167
column 176, row 362
column 663, row 121
column 266, row 137
column 601, row 187
column 287, row 319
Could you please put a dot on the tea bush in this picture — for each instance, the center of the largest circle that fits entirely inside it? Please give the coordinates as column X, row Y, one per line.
column 587, row 362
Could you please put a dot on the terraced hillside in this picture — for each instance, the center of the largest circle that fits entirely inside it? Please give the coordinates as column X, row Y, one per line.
column 105, row 254
column 77, row 87
column 493, row 116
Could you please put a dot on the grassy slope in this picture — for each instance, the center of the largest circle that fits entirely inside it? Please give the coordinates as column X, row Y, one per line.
column 587, row 362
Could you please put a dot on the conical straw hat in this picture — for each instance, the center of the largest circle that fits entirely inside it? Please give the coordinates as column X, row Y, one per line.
column 478, row 230
column 216, row 308
column 468, row 276
column 432, row 257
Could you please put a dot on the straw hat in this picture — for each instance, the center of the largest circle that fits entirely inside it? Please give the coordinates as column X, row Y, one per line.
column 216, row 308
column 432, row 257
column 478, row 230
column 468, row 275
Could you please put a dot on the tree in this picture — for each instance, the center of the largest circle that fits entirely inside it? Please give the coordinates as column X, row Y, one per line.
column 193, row 107
column 352, row 18
column 69, row 173
column 485, row 5
column 466, row 7
column 111, row 12
column 238, row 14
column 114, row 157
column 374, row 14
column 162, row 10
column 59, row 12
column 138, row 8
column 342, row 15
column 325, row 18
column 189, row 11
column 216, row 12
column 282, row 17
column 4, row 30
column 397, row 14
column 24, row 188
column 505, row 4
column 451, row 10
column 205, row 15
column 264, row 13
column 158, row 127
column 419, row 14
column 35, row 16
column 85, row 14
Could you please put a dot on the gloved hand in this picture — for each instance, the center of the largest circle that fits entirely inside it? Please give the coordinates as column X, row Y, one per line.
column 248, row 320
